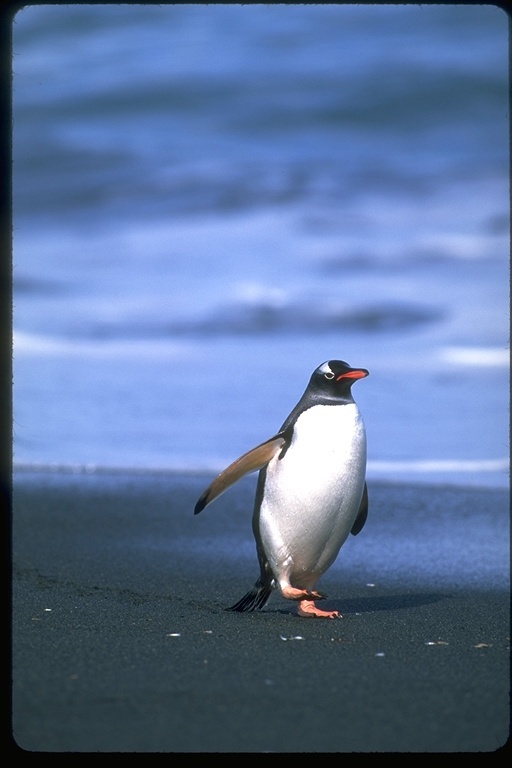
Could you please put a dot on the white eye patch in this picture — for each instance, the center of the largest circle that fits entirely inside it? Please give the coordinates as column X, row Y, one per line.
column 325, row 369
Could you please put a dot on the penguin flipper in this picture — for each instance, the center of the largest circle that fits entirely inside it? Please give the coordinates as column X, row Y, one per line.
column 361, row 515
column 254, row 599
column 254, row 459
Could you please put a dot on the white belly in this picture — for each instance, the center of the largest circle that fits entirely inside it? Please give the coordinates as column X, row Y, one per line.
column 312, row 494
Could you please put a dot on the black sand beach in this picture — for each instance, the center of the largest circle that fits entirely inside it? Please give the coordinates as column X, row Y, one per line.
column 120, row 642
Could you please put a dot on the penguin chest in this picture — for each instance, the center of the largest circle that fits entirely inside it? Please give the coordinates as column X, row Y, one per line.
column 312, row 494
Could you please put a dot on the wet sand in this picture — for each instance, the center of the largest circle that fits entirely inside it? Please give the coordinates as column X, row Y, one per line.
column 120, row 641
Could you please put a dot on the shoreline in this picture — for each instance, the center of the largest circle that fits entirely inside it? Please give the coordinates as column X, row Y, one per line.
column 121, row 642
column 424, row 479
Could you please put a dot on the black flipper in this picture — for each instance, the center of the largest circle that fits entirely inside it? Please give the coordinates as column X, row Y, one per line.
column 255, row 599
column 362, row 514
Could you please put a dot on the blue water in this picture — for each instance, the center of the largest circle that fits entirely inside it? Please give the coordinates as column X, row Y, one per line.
column 209, row 201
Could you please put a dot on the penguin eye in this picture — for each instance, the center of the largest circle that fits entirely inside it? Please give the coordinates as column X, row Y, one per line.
column 329, row 375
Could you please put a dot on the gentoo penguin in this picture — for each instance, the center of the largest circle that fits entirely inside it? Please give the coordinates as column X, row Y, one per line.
column 311, row 490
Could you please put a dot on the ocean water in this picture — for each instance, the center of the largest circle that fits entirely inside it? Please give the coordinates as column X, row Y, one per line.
column 211, row 200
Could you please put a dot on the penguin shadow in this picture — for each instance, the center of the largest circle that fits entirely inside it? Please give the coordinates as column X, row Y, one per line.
column 390, row 602
column 358, row 605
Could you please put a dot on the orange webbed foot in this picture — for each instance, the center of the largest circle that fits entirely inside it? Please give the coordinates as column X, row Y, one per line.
column 292, row 593
column 308, row 609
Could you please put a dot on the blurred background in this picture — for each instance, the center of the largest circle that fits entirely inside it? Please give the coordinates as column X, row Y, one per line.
column 211, row 200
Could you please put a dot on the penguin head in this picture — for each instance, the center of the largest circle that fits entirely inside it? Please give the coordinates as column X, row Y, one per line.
column 329, row 385
column 334, row 378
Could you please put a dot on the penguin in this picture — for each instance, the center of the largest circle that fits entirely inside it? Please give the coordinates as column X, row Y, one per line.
column 311, row 491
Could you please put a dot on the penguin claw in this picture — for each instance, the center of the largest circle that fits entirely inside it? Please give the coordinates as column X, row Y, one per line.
column 293, row 593
column 308, row 609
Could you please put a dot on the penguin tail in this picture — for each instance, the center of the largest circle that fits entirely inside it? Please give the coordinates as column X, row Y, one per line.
column 254, row 600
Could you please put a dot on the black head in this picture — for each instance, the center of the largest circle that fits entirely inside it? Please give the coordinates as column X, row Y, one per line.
column 329, row 385
column 333, row 379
